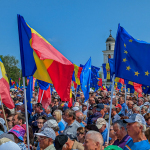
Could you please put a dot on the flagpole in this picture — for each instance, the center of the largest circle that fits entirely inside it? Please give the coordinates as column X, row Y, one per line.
column 26, row 113
column 125, row 94
column 4, row 113
column 112, row 89
column 42, row 96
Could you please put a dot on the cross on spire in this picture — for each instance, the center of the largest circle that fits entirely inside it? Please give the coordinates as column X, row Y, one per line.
column 110, row 31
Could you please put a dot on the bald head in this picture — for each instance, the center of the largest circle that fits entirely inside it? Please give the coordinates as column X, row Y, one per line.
column 79, row 116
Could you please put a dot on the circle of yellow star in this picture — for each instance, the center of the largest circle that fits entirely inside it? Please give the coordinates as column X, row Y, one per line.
column 125, row 52
column 136, row 73
column 147, row 73
column 124, row 60
column 130, row 40
column 128, row 68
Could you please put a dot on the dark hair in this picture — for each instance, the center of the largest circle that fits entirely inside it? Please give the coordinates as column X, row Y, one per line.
column 7, row 111
column 147, row 116
column 71, row 113
column 20, row 117
column 39, row 105
column 1, row 127
column 91, row 127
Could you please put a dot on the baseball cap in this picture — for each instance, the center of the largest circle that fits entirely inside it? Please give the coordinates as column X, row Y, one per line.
column 75, row 108
column 19, row 104
column 146, row 103
column 136, row 118
column 118, row 106
column 47, row 132
column 99, row 107
column 6, row 135
column 50, row 124
column 113, row 147
column 76, row 104
column 100, row 122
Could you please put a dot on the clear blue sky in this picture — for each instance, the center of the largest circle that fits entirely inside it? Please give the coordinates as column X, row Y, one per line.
column 77, row 28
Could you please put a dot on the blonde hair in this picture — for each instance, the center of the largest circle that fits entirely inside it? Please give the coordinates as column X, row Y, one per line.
column 58, row 115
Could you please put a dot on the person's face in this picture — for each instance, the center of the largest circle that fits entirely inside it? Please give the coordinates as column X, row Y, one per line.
column 43, row 142
column 92, row 101
column 89, row 144
column 18, row 107
column 145, row 100
column 94, row 110
column 40, row 123
column 148, row 122
column 130, row 105
column 140, row 102
column 55, row 101
column 133, row 129
column 99, row 100
column 15, row 120
column 117, row 131
column 67, row 145
column 114, row 101
column 105, row 108
column 112, row 132
column 10, row 122
column 118, row 109
column 80, row 136
column 68, row 118
column 103, row 100
column 143, row 111
column 82, row 96
column 37, row 109
column 121, row 100
column 84, row 107
column 78, row 100
column 135, row 111
column 25, row 138
column 102, row 128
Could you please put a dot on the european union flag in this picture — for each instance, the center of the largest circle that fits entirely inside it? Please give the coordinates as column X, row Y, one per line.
column 29, row 94
column 111, row 63
column 17, row 85
column 146, row 89
column 104, row 70
column 131, row 58
column 86, row 78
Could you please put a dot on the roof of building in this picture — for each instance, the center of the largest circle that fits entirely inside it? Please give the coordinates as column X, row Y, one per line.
column 110, row 39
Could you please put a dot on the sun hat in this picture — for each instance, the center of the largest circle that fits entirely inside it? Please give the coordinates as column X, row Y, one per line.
column 18, row 131
column 100, row 122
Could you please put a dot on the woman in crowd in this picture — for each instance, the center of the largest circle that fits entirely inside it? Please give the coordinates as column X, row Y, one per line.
column 58, row 116
column 81, row 134
column 18, row 132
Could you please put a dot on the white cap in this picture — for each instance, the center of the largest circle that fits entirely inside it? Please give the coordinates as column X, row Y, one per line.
column 9, row 145
column 75, row 108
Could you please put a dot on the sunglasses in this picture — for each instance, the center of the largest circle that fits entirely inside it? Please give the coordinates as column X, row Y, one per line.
column 79, row 134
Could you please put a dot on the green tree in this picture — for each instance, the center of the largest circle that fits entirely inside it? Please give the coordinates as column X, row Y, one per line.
column 11, row 67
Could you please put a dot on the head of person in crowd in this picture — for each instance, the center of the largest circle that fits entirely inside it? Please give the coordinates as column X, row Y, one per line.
column 48, row 110
column 34, row 105
column 91, row 101
column 56, row 102
column 101, row 124
column 144, row 110
column 103, row 100
column 82, row 96
column 1, row 127
column 81, row 134
column 18, row 132
column 100, row 108
column 147, row 119
column 10, row 121
column 136, row 110
column 30, row 134
column 140, row 101
column 40, row 122
column 121, row 100
column 18, row 119
column 7, row 112
column 112, row 134
column 51, row 124
column 113, row 111
column 118, row 108
column 120, row 129
column 93, row 141
column 46, row 138
column 114, row 100
column 147, row 104
column 18, row 106
column 84, row 107
column 79, row 116
column 70, row 116
column 57, row 114
column 145, row 99
column 60, row 141
column 78, row 99
column 38, row 108
column 99, row 99
column 22, row 108
column 89, row 127
column 130, row 104
column 136, row 126
column 147, row 134
column 94, row 107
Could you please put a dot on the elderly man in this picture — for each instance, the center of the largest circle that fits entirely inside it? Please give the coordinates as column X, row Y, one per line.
column 136, row 110
column 80, row 117
column 48, row 111
column 92, row 103
column 46, row 139
column 93, row 141
column 121, row 133
column 71, row 127
column 144, row 110
column 140, row 102
column 114, row 114
column 136, row 127
column 130, row 107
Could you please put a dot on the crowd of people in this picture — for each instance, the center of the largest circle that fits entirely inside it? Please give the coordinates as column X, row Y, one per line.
column 84, row 126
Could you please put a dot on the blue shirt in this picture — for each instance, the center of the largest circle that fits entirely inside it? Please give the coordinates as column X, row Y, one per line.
column 115, row 118
column 82, row 124
column 124, row 107
column 104, row 135
column 49, row 115
column 142, row 145
column 61, row 127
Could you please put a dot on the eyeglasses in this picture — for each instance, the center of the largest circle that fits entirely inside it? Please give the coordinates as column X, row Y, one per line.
column 39, row 122
column 79, row 134
column 41, row 138
column 8, row 120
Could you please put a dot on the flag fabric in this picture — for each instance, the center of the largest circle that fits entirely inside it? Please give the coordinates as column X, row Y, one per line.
column 100, row 82
column 146, row 89
column 70, row 102
column 29, row 94
column 4, row 87
column 42, row 61
column 43, row 85
column 104, row 71
column 11, row 83
column 28, row 80
column 137, row 87
column 131, row 58
column 76, row 74
column 86, row 78
column 35, row 83
column 108, row 71
column 94, row 77
column 17, row 86
column 120, row 80
column 46, row 99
